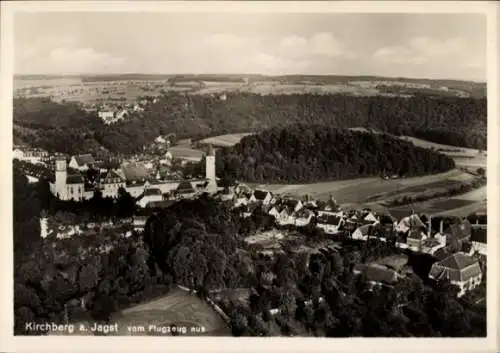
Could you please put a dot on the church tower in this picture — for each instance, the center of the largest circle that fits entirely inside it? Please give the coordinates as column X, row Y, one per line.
column 210, row 164
column 61, row 176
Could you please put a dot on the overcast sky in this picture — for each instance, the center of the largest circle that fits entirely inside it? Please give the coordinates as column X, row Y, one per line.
column 409, row 45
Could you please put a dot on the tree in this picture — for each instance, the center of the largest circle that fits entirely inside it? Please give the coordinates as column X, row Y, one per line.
column 239, row 323
column 125, row 204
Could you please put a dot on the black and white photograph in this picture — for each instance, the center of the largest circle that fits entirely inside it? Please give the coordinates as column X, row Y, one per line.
column 196, row 171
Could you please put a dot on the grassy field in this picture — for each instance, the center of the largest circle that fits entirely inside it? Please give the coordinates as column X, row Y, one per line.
column 224, row 140
column 442, row 206
column 177, row 307
column 186, row 153
column 365, row 189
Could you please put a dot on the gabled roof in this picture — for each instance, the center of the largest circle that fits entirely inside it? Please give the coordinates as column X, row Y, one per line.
column 152, row 192
column 304, row 213
column 366, row 229
column 291, row 202
column 370, row 217
column 412, row 221
column 458, row 261
column 329, row 219
column 112, row 177
column 249, row 208
column 185, row 187
column 380, row 274
column 260, row 194
column 83, row 159
column 457, row 267
column 134, row 172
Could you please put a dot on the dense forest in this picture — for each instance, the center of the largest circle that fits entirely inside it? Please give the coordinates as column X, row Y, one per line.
column 66, row 128
column 313, row 153
column 199, row 243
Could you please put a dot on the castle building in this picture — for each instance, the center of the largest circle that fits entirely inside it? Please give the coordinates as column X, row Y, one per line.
column 64, row 186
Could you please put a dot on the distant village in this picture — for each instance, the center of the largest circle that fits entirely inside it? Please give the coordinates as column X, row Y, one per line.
column 458, row 246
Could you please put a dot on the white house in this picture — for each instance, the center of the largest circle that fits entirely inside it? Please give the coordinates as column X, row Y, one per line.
column 82, row 162
column 241, row 200
column 149, row 195
column 284, row 215
column 412, row 221
column 139, row 223
column 479, row 241
column 304, row 217
column 329, row 222
column 110, row 184
column 32, row 155
column 460, row 269
column 264, row 197
column 432, row 244
column 363, row 232
column 370, row 217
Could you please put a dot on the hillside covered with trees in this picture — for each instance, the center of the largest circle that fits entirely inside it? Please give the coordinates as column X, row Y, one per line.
column 64, row 127
column 313, row 153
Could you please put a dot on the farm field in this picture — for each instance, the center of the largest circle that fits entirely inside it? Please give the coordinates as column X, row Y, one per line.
column 178, row 307
column 442, row 207
column 365, row 189
column 224, row 140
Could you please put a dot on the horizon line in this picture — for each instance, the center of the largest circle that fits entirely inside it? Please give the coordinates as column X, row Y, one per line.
column 249, row 74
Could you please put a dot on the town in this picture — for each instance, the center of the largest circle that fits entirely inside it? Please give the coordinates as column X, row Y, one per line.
column 235, row 174
column 460, row 247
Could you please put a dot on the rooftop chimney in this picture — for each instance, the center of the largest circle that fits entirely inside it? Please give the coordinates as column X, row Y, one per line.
column 429, row 228
column 441, row 227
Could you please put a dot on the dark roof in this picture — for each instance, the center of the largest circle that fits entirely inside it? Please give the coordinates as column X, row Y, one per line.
column 329, row 219
column 134, row 172
column 249, row 208
column 260, row 195
column 152, row 191
column 461, row 230
column 381, row 274
column 185, row 187
column 160, row 204
column 479, row 235
column 83, row 159
column 291, row 202
column 112, row 177
column 387, row 219
column 74, row 179
column 457, row 267
column 304, row 213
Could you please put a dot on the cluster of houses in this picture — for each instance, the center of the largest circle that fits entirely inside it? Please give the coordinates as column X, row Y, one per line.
column 113, row 114
column 455, row 246
column 80, row 178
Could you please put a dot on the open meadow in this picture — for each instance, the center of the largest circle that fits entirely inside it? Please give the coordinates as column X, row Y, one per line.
column 366, row 189
column 227, row 140
column 178, row 308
